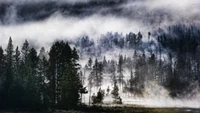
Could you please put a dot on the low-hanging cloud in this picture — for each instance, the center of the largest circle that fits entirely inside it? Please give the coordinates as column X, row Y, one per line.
column 43, row 33
column 62, row 20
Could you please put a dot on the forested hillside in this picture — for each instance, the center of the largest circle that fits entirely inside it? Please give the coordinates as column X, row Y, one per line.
column 85, row 54
column 57, row 78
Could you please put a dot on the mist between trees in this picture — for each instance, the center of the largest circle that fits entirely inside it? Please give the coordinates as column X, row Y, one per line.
column 165, row 67
column 56, row 80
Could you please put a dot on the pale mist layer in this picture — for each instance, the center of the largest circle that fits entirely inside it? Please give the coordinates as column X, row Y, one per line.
column 70, row 28
column 155, row 95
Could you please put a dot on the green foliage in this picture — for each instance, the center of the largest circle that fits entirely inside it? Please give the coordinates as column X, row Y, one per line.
column 64, row 80
column 70, row 86
column 29, row 81
column 8, row 83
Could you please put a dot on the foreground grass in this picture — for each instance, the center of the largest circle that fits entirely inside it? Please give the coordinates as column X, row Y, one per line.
column 131, row 110
column 119, row 110
column 135, row 110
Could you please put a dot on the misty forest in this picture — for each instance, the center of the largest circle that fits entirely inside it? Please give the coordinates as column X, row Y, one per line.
column 104, row 55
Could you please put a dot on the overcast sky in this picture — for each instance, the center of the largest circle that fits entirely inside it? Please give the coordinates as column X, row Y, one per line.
column 44, row 21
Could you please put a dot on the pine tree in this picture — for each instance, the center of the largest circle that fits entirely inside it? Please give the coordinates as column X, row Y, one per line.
column 104, row 64
column 64, row 80
column 140, row 74
column 152, row 68
column 42, row 70
column 60, row 56
column 9, row 73
column 25, row 51
column 83, row 90
column 52, row 74
column 2, row 70
column 115, row 94
column 18, row 88
column 90, row 63
column 32, row 98
column 17, row 61
column 100, row 73
column 131, row 82
column 98, row 99
column 71, row 86
column 113, row 71
column 97, row 73
column 2, row 57
column 120, row 71
column 90, row 85
column 108, row 91
column 25, row 64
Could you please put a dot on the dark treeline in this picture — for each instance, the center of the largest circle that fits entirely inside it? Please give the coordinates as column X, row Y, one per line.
column 52, row 80
column 170, row 60
column 29, row 80
column 183, row 58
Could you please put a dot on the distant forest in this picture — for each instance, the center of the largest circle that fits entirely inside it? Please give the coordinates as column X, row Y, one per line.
column 55, row 79
column 170, row 57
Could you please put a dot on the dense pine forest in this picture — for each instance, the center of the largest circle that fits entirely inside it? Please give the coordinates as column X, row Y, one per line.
column 39, row 81
column 100, row 56
column 170, row 59
column 56, row 79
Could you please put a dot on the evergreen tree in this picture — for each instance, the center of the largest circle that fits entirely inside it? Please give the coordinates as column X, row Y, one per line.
column 120, row 71
column 70, row 87
column 64, row 79
column 2, row 57
column 25, row 51
column 32, row 97
column 18, row 88
column 41, row 79
column 131, row 82
column 96, row 73
column 17, row 61
column 100, row 73
column 25, row 64
column 108, row 91
column 90, row 85
column 113, row 71
column 60, row 56
column 104, row 64
column 98, row 99
column 90, row 63
column 2, row 70
column 115, row 94
column 83, row 90
column 9, row 74
column 152, row 68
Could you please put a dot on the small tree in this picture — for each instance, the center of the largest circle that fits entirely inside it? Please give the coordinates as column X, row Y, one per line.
column 99, row 98
column 108, row 91
column 115, row 94
column 90, row 63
